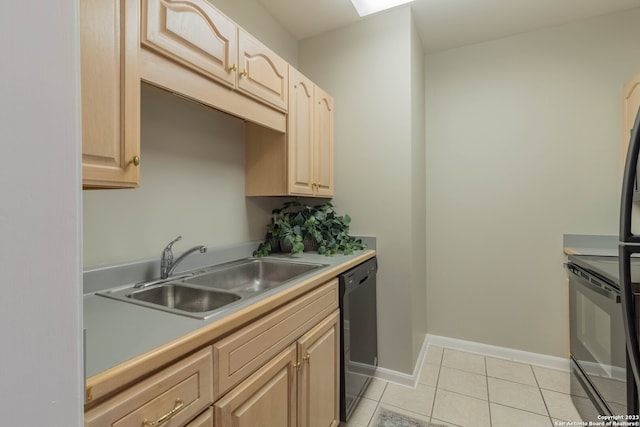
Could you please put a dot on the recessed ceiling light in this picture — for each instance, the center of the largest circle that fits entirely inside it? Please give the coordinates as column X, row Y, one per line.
column 367, row 7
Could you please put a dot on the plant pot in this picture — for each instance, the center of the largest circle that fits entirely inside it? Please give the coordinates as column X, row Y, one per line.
column 310, row 245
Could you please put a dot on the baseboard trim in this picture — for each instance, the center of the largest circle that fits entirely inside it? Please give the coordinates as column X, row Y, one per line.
column 411, row 380
column 538, row 359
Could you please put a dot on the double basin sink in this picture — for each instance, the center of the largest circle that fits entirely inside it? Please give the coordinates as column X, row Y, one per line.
column 204, row 292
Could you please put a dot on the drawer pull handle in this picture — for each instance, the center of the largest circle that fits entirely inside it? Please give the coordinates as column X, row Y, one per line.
column 179, row 406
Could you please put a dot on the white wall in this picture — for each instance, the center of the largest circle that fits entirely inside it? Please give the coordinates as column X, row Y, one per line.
column 367, row 68
column 523, row 145
column 41, row 306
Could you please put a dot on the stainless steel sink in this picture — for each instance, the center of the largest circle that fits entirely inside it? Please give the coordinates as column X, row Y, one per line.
column 204, row 292
column 175, row 297
column 186, row 298
column 252, row 275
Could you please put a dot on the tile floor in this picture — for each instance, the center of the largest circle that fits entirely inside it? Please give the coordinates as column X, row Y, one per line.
column 470, row 390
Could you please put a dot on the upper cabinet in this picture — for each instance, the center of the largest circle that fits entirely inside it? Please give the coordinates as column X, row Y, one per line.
column 194, row 34
column 299, row 163
column 262, row 73
column 110, row 79
column 191, row 48
column 323, row 143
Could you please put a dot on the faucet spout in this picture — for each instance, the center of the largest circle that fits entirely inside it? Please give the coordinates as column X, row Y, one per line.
column 167, row 264
column 201, row 249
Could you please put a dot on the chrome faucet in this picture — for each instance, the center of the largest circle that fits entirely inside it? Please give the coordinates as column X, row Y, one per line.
column 167, row 264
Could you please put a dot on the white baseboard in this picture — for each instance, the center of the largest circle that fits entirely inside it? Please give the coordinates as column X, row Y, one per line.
column 411, row 380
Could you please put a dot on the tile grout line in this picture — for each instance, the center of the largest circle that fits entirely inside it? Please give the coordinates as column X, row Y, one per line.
column 541, row 395
column 435, row 392
column 486, row 381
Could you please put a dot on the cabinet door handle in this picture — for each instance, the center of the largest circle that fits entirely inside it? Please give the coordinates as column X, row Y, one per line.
column 135, row 161
column 244, row 73
column 179, row 406
column 307, row 358
column 234, row 67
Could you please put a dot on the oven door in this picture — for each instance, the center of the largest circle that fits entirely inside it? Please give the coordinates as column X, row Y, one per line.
column 597, row 342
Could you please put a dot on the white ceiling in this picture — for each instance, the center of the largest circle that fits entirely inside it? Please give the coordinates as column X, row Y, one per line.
column 445, row 24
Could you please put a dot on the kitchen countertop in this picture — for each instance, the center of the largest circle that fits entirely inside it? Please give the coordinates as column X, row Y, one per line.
column 586, row 244
column 118, row 332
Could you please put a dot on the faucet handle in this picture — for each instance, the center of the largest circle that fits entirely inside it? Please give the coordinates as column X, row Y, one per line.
column 172, row 242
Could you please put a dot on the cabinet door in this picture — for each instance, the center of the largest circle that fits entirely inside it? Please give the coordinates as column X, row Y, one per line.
column 319, row 353
column 266, row 398
column 262, row 73
column 193, row 33
column 300, row 134
column 110, row 79
column 323, row 143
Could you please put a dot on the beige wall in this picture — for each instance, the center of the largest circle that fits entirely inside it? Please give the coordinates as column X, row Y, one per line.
column 523, row 145
column 418, row 196
column 368, row 68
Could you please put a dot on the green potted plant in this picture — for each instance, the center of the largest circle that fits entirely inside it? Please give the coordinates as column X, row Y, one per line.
column 296, row 227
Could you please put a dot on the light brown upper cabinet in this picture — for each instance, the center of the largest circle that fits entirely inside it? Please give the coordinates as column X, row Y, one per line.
column 299, row 163
column 110, row 79
column 323, row 143
column 196, row 35
column 262, row 73
column 631, row 103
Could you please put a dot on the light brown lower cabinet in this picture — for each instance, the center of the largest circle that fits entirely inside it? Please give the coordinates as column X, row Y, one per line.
column 172, row 397
column 279, row 370
column 298, row 387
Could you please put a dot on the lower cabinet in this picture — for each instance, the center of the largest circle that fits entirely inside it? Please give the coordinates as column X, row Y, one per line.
column 172, row 397
column 280, row 370
column 298, row 387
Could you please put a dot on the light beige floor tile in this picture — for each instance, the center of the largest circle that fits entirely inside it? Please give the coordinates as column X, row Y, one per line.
column 362, row 414
column 429, row 374
column 409, row 414
column 464, row 361
column 510, row 371
column 551, row 379
column 434, row 355
column 440, row 423
column 504, row 416
column 418, row 400
column 461, row 410
column 516, row 395
column 467, row 383
column 561, row 406
column 375, row 389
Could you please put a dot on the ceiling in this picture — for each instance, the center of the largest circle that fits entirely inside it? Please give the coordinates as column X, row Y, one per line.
column 446, row 24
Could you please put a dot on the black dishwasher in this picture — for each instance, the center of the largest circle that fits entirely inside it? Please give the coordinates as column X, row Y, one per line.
column 359, row 340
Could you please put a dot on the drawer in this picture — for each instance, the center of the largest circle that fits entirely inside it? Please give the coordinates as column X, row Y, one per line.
column 243, row 352
column 177, row 394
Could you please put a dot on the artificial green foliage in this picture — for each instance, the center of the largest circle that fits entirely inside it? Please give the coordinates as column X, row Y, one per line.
column 295, row 223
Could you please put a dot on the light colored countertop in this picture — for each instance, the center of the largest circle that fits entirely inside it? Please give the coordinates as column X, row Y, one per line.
column 122, row 338
column 587, row 244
